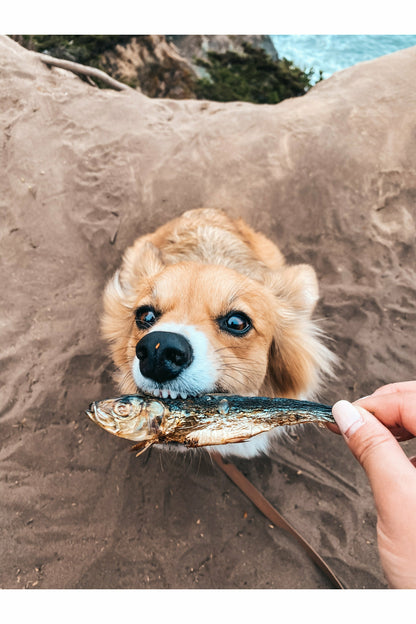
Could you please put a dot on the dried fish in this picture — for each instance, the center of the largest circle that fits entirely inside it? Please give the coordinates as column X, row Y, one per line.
column 201, row 421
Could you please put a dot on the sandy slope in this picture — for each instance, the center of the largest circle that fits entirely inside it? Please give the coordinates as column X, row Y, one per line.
column 331, row 178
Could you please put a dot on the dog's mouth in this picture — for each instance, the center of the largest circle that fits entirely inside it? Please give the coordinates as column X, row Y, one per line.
column 168, row 393
column 165, row 393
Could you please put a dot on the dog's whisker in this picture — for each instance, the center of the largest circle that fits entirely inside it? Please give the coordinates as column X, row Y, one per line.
column 246, row 380
column 234, row 348
column 231, row 359
column 238, row 369
column 231, row 364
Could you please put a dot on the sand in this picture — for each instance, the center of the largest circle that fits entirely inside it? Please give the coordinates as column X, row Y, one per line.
column 330, row 177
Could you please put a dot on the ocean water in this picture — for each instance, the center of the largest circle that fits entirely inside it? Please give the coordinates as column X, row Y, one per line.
column 331, row 53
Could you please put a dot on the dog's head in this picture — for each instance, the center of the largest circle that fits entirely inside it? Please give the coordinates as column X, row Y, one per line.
column 189, row 329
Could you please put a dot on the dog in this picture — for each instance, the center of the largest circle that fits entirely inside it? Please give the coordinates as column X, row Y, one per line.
column 207, row 305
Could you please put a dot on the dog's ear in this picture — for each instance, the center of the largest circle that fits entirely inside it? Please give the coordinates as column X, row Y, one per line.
column 298, row 286
column 297, row 356
column 141, row 261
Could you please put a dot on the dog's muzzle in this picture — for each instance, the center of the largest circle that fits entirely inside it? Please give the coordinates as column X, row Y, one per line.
column 163, row 355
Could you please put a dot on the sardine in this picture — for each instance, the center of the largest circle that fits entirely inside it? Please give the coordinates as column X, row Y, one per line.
column 201, row 421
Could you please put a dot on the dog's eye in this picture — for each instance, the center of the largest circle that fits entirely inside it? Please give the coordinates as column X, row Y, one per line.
column 236, row 323
column 146, row 316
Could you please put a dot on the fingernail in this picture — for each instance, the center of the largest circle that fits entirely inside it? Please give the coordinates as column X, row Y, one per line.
column 347, row 417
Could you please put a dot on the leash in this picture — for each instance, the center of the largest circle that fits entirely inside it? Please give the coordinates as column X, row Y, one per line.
column 273, row 515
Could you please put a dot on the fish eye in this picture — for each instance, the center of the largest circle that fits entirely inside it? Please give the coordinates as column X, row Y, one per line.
column 236, row 323
column 146, row 316
column 122, row 409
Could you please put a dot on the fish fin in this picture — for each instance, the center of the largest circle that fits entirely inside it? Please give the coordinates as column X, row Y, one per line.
column 236, row 440
column 195, row 442
column 141, row 447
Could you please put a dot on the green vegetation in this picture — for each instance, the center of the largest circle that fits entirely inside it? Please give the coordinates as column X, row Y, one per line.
column 250, row 77
column 85, row 49
column 158, row 77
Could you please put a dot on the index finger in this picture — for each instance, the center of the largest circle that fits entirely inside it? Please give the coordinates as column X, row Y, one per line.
column 396, row 410
column 400, row 386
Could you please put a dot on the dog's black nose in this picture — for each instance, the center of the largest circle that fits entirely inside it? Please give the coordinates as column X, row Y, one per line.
column 163, row 355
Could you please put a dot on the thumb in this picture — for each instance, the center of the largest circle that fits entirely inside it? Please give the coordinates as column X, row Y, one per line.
column 378, row 452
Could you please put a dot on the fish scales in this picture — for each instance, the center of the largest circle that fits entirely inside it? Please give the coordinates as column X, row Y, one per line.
column 201, row 421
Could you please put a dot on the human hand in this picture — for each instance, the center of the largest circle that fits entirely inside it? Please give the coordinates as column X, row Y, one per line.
column 371, row 428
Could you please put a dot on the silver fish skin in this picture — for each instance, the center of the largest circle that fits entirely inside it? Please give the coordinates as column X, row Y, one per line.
column 201, row 421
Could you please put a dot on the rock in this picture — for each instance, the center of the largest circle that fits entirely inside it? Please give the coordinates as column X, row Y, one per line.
column 153, row 65
column 330, row 177
column 165, row 66
column 197, row 46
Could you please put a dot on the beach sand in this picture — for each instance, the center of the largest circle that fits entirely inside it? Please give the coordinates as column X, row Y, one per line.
column 330, row 177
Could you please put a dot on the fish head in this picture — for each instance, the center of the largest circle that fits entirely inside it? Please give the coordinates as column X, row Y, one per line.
column 127, row 417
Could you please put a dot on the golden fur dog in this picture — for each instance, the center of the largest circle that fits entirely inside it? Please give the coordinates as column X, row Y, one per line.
column 205, row 304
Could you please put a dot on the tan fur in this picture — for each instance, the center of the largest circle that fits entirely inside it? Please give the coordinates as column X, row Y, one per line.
column 203, row 265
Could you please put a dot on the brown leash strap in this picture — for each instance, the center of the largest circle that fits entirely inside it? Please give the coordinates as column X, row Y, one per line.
column 272, row 514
